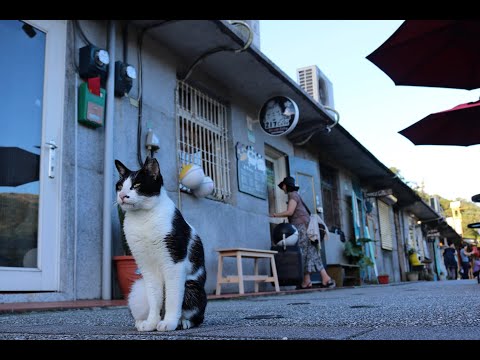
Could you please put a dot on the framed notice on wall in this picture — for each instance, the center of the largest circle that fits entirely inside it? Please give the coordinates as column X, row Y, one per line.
column 251, row 171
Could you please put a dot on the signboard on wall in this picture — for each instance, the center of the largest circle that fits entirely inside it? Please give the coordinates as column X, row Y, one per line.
column 251, row 171
column 278, row 116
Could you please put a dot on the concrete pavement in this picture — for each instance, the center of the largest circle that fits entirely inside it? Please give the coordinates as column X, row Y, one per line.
column 422, row 310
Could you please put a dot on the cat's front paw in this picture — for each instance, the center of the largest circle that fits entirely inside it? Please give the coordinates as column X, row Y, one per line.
column 166, row 325
column 145, row 325
column 186, row 324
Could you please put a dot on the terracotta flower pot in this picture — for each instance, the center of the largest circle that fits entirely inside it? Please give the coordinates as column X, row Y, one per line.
column 126, row 273
column 382, row 279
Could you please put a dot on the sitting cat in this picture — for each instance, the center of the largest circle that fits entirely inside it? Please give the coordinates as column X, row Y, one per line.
column 167, row 250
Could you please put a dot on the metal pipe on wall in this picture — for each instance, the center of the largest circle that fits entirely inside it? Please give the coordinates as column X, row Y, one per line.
column 108, row 170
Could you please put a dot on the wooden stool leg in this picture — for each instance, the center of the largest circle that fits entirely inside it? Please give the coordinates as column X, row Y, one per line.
column 274, row 273
column 219, row 274
column 241, row 289
column 255, row 268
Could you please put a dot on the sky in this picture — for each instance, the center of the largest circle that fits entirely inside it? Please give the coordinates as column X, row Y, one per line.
column 372, row 108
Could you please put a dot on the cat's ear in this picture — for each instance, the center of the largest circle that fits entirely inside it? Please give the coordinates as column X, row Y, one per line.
column 152, row 167
column 122, row 169
column 148, row 159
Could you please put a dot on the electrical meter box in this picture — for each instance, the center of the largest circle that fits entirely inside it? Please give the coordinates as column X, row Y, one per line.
column 91, row 108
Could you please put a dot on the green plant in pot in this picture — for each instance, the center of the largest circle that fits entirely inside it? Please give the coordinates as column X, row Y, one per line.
column 354, row 252
column 127, row 270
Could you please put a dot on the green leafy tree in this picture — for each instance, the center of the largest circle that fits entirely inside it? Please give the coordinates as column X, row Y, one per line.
column 470, row 214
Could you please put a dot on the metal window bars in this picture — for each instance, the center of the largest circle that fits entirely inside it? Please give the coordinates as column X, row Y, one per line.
column 202, row 136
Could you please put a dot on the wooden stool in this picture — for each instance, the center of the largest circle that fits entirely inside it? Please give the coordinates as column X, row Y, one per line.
column 240, row 253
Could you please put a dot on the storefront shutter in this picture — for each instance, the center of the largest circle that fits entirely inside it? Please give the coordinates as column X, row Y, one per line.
column 385, row 226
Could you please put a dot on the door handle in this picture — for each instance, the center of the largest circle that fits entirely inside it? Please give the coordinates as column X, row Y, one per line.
column 52, row 146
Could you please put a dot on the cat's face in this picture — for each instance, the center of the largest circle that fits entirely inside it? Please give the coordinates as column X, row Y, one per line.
column 138, row 189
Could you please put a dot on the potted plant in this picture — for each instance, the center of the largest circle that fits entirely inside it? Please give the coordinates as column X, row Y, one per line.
column 412, row 275
column 127, row 270
column 383, row 278
column 413, row 257
column 354, row 252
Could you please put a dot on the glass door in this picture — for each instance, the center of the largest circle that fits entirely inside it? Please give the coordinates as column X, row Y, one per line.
column 32, row 68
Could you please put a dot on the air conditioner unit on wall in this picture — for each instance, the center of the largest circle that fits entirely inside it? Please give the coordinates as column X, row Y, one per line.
column 316, row 84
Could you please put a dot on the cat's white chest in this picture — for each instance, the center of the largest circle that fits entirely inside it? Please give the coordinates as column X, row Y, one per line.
column 146, row 229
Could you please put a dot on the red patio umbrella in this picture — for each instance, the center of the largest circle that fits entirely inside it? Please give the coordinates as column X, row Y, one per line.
column 458, row 126
column 434, row 53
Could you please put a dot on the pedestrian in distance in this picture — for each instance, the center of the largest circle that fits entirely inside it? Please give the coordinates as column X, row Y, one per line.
column 449, row 256
column 465, row 252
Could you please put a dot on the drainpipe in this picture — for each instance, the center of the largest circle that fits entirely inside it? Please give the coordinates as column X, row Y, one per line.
column 108, row 170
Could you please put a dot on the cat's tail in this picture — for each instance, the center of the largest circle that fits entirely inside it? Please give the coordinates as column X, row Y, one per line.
column 137, row 300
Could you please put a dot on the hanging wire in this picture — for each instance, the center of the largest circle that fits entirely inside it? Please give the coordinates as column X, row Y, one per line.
column 327, row 128
column 221, row 48
column 74, row 50
column 187, row 74
column 141, row 34
column 82, row 34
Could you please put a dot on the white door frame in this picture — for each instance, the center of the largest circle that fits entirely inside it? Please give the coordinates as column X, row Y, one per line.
column 279, row 167
column 46, row 276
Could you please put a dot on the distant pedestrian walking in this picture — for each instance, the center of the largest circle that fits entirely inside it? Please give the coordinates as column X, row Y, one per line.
column 476, row 267
column 449, row 256
column 464, row 256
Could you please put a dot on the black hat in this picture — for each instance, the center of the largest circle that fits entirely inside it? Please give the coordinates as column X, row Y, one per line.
column 290, row 182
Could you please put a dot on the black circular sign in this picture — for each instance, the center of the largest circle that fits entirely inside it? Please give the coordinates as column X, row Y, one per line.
column 278, row 116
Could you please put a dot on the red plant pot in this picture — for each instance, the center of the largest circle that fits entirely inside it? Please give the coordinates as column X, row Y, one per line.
column 382, row 279
column 126, row 273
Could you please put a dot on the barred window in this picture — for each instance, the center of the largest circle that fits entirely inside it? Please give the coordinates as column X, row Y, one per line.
column 330, row 196
column 202, row 136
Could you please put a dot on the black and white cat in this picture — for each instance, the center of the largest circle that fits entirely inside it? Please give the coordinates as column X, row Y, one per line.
column 167, row 250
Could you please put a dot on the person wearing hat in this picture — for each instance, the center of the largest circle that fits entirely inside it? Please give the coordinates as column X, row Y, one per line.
column 299, row 215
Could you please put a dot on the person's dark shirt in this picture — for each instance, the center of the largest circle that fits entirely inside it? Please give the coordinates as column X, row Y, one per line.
column 449, row 256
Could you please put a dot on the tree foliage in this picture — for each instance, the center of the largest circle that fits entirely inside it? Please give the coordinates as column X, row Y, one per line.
column 470, row 214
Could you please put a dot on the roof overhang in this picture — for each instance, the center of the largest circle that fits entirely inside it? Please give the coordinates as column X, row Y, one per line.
column 248, row 74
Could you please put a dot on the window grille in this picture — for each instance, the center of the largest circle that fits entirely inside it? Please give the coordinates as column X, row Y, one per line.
column 202, row 136
column 330, row 204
